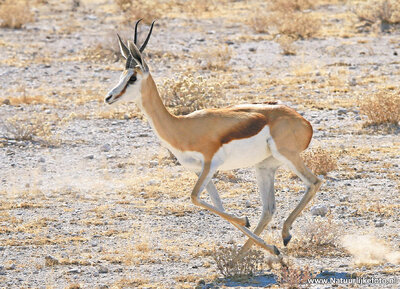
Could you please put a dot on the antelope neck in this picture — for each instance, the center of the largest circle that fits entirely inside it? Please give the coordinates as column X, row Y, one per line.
column 162, row 121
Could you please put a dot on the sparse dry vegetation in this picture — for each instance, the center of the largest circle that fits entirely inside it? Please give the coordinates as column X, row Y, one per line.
column 188, row 93
column 319, row 237
column 15, row 14
column 320, row 161
column 382, row 108
column 293, row 276
column 297, row 25
column 382, row 12
column 35, row 128
column 232, row 267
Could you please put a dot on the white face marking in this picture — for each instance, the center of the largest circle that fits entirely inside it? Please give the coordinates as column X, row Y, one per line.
column 244, row 153
column 125, row 91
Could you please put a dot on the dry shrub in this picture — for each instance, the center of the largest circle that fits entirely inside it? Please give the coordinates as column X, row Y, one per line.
column 381, row 12
column 147, row 10
column 259, row 21
column 290, row 5
column 100, row 53
column 319, row 237
column 286, row 43
column 296, row 24
column 382, row 108
column 35, row 127
column 15, row 14
column 320, row 161
column 293, row 276
column 225, row 259
column 124, row 5
column 188, row 93
column 216, row 58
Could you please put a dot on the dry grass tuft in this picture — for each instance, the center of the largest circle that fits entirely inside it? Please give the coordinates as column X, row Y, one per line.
column 296, row 24
column 188, row 93
column 382, row 108
column 15, row 14
column 319, row 237
column 293, row 276
column 36, row 127
column 259, row 22
column 320, row 161
column 146, row 10
column 381, row 12
column 249, row 265
column 216, row 58
column 286, row 43
column 290, row 5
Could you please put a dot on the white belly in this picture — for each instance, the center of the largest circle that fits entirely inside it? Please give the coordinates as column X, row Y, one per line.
column 244, row 153
column 236, row 154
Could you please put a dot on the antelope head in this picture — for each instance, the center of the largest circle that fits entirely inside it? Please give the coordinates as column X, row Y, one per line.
column 136, row 70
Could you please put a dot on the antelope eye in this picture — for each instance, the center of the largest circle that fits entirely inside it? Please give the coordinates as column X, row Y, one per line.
column 132, row 79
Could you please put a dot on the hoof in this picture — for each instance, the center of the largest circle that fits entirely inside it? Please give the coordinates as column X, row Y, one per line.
column 247, row 223
column 276, row 251
column 286, row 240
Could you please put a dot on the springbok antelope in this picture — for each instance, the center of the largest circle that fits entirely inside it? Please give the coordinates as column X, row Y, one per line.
column 261, row 135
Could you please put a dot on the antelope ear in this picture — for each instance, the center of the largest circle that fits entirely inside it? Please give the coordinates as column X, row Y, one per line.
column 135, row 52
column 122, row 47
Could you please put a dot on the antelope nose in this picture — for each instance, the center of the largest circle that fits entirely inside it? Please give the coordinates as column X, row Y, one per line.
column 108, row 98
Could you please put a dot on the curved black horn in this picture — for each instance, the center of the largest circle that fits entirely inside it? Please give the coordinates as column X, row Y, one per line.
column 136, row 25
column 147, row 39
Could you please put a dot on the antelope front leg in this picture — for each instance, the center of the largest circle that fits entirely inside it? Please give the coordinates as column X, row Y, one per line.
column 203, row 180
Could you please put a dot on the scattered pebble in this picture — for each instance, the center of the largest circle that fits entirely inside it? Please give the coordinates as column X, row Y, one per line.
column 50, row 261
column 106, row 148
column 89, row 157
column 42, row 160
column 153, row 182
column 319, row 210
column 103, row 270
column 74, row 271
column 379, row 224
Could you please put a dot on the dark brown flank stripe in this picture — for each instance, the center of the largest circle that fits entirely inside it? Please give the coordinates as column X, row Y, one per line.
column 245, row 130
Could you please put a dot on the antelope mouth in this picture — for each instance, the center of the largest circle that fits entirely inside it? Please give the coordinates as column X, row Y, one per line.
column 110, row 99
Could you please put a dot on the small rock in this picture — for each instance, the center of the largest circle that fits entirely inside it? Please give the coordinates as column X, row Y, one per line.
column 2, row 248
column 105, row 148
column 50, row 261
column 344, row 198
column 379, row 224
column 6, row 101
column 153, row 163
column 11, row 267
column 319, row 210
column 342, row 111
column 252, row 49
column 103, row 270
column 153, row 182
column 42, row 160
column 89, row 157
column 229, row 42
column 248, row 204
column 74, row 271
